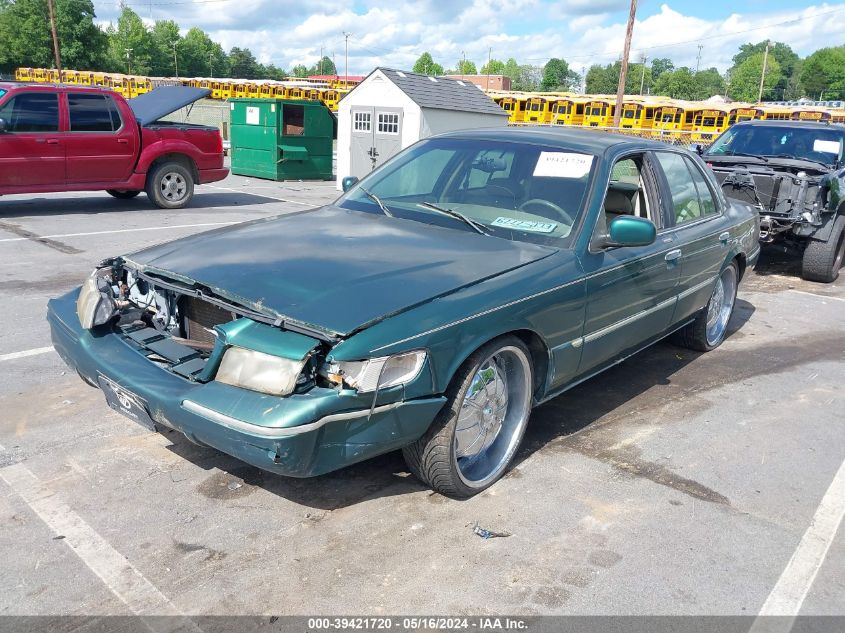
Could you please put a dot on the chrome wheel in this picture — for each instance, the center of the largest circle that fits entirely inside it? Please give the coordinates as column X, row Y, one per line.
column 721, row 306
column 173, row 186
column 492, row 416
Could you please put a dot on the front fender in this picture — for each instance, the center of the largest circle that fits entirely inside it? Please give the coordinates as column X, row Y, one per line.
column 822, row 233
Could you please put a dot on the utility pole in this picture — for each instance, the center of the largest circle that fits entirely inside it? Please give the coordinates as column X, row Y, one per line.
column 56, row 51
column 321, row 61
column 583, row 80
column 698, row 58
column 489, row 59
column 175, row 61
column 623, row 70
column 642, row 77
column 211, row 65
column 463, row 62
column 346, row 78
column 128, row 60
column 763, row 74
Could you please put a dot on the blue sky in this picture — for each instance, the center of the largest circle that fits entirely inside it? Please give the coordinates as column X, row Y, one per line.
column 394, row 33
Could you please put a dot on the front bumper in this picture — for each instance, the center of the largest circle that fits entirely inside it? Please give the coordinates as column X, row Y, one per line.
column 299, row 436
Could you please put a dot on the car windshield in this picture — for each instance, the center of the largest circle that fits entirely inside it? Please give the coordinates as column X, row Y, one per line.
column 822, row 145
column 2, row 92
column 517, row 191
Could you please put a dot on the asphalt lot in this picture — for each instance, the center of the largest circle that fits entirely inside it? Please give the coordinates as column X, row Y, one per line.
column 676, row 483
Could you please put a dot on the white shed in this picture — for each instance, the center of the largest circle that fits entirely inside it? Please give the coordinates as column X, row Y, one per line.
column 392, row 109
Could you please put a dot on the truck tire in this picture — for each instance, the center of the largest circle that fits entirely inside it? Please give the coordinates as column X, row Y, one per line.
column 823, row 259
column 122, row 194
column 474, row 437
column 170, row 185
column 711, row 325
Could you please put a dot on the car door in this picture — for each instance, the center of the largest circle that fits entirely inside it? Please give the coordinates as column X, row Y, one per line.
column 32, row 153
column 631, row 291
column 100, row 146
column 699, row 227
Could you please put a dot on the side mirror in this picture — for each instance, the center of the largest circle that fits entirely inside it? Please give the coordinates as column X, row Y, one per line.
column 629, row 230
column 348, row 182
column 699, row 149
column 3, row 126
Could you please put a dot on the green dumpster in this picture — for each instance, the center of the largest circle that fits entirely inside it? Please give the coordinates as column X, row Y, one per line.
column 281, row 139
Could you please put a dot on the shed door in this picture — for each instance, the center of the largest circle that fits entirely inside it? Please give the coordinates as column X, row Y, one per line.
column 361, row 150
column 387, row 129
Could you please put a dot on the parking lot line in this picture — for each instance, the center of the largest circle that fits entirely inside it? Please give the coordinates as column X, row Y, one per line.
column 25, row 353
column 264, row 195
column 813, row 294
column 122, row 578
column 797, row 578
column 145, row 228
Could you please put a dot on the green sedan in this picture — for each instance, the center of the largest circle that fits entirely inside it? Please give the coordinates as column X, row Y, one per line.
column 429, row 309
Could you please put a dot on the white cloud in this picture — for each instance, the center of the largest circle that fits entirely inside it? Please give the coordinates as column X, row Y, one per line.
column 395, row 33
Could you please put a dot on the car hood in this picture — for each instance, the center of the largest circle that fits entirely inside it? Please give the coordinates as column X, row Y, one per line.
column 335, row 270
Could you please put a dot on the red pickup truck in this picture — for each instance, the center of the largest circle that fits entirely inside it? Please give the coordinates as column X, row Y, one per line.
column 75, row 138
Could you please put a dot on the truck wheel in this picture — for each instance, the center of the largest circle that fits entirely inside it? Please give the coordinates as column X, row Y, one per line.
column 122, row 194
column 170, row 186
column 822, row 260
column 710, row 326
column 473, row 439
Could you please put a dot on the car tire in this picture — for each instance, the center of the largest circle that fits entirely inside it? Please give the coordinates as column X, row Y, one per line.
column 710, row 326
column 823, row 259
column 170, row 185
column 475, row 436
column 122, row 194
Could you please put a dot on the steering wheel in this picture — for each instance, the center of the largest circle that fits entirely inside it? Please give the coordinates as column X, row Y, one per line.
column 551, row 205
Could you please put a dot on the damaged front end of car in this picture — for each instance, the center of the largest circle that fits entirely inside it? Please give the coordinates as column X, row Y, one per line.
column 234, row 375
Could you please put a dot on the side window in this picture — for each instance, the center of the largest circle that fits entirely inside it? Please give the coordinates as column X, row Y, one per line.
column 683, row 181
column 388, row 123
column 32, row 112
column 361, row 121
column 626, row 194
column 705, row 193
column 92, row 113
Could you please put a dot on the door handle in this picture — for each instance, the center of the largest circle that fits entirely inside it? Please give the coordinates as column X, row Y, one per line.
column 123, row 141
column 673, row 255
column 724, row 237
column 52, row 141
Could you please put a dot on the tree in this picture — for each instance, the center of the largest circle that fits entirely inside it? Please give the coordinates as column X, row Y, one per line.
column 297, row 71
column 605, row 79
column 745, row 78
column 26, row 38
column 323, row 67
column 558, row 76
column 200, row 55
column 243, row 65
column 163, row 34
column 130, row 44
column 494, row 67
column 782, row 53
column 425, row 65
column 677, row 84
column 709, row 82
column 661, row 65
column 465, row 67
column 823, row 73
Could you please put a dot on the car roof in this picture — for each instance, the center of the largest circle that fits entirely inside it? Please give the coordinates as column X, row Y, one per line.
column 11, row 85
column 583, row 140
column 839, row 127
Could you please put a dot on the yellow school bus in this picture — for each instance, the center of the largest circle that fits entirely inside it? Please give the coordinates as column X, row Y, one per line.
column 598, row 113
column 705, row 122
column 811, row 114
column 24, row 74
column 747, row 113
column 774, row 113
column 668, row 120
column 510, row 104
column 331, row 98
column 538, row 110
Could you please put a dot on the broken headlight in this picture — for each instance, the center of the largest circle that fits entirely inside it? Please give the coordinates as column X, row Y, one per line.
column 378, row 373
column 95, row 304
column 257, row 371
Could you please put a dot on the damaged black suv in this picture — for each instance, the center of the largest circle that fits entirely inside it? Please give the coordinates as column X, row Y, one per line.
column 794, row 173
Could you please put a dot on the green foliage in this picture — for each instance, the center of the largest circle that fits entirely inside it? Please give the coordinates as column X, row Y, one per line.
column 26, row 39
column 558, row 76
column 661, row 65
column 524, row 78
column 678, row 84
column 744, row 81
column 163, row 34
column 785, row 57
column 494, row 67
column 822, row 74
column 466, row 67
column 425, row 65
column 605, row 79
column 709, row 82
column 243, row 65
column 131, row 47
column 299, row 71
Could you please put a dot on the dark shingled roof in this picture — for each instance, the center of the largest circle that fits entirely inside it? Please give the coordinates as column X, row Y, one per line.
column 442, row 94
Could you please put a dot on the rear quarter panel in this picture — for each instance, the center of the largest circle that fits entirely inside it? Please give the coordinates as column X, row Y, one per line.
column 201, row 144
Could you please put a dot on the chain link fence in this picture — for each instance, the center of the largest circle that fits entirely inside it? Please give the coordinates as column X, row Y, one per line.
column 204, row 112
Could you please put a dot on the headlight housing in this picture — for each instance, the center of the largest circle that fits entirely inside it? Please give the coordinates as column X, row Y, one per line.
column 95, row 304
column 257, row 371
column 381, row 373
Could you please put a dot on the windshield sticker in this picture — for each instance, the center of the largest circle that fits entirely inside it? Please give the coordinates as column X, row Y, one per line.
column 828, row 147
column 563, row 165
column 524, row 225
